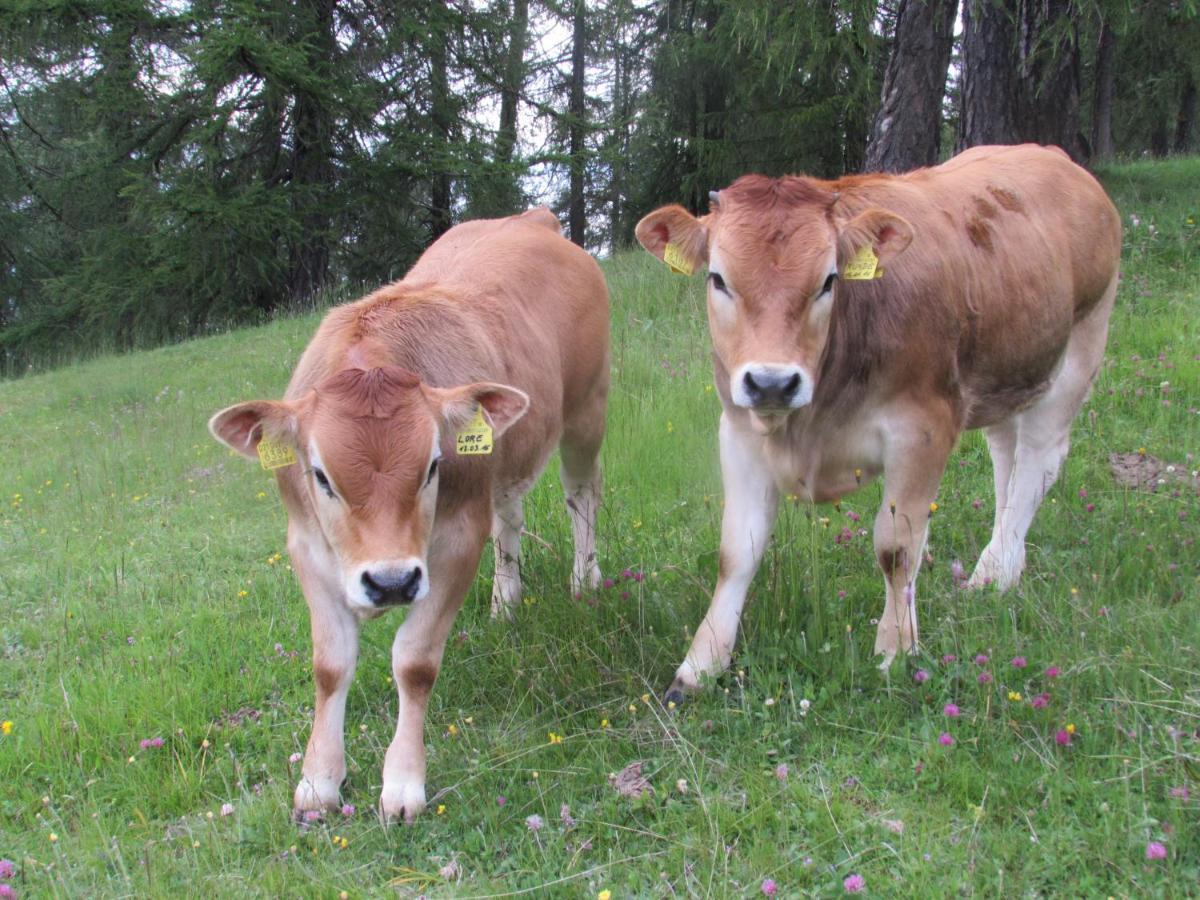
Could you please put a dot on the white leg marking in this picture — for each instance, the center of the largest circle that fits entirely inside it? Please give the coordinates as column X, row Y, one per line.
column 335, row 652
column 751, row 504
column 508, row 517
column 582, row 493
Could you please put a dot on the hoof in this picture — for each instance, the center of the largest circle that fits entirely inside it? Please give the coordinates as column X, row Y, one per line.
column 402, row 803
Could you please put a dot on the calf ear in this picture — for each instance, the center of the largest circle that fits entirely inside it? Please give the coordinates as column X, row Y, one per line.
column 241, row 427
column 502, row 404
column 884, row 232
column 675, row 226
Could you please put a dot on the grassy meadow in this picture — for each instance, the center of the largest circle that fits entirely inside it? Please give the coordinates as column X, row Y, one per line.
column 154, row 650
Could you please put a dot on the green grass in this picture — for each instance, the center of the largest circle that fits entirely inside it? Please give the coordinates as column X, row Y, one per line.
column 128, row 538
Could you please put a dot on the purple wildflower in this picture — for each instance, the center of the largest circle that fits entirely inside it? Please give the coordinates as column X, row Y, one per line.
column 312, row 815
column 1062, row 737
column 957, row 572
column 534, row 823
column 1091, row 507
column 948, row 658
column 608, row 582
column 639, row 576
column 151, row 743
column 7, row 892
column 950, row 710
column 1155, row 850
column 295, row 758
column 7, row 869
column 920, row 676
column 769, row 887
column 501, row 800
column 1041, row 701
column 1018, row 662
column 854, row 884
column 981, row 659
column 348, row 810
column 781, row 772
column 1052, row 672
column 1179, row 793
column 627, row 573
column 946, row 739
column 984, row 678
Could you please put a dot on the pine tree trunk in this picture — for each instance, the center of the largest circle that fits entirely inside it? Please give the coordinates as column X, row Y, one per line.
column 312, row 171
column 1185, row 122
column 514, row 77
column 908, row 124
column 442, row 116
column 577, row 112
column 989, row 92
column 1102, row 104
column 1048, row 95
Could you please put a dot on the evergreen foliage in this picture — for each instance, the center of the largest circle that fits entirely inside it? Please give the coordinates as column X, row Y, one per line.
column 172, row 168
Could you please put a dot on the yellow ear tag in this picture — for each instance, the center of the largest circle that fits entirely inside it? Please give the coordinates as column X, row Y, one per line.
column 476, row 438
column 864, row 266
column 676, row 261
column 273, row 455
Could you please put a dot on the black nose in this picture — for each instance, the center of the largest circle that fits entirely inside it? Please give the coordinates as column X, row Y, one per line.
column 389, row 587
column 770, row 389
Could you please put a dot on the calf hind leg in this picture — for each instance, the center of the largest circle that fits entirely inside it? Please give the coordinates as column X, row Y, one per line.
column 1002, row 443
column 508, row 518
column 1042, row 438
column 582, row 482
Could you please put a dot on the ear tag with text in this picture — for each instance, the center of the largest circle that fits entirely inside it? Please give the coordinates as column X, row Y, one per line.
column 864, row 266
column 273, row 455
column 676, row 261
column 476, row 438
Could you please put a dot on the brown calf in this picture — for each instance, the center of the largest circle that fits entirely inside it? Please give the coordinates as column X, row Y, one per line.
column 418, row 418
column 860, row 325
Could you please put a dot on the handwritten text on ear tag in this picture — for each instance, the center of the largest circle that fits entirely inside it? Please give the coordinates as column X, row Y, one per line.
column 864, row 266
column 273, row 455
column 476, row 438
column 676, row 261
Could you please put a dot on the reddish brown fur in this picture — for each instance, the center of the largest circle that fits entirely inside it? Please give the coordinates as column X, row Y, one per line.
column 502, row 317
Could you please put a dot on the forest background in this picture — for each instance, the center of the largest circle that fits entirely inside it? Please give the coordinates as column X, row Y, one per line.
column 174, row 168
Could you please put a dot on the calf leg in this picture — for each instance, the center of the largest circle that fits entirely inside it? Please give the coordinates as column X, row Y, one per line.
column 417, row 653
column 335, row 651
column 508, row 519
column 1002, row 442
column 582, row 481
column 1043, row 433
column 751, row 504
column 913, row 469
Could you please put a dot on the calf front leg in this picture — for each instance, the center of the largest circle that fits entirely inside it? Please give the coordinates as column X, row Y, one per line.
column 912, row 472
column 417, row 657
column 751, row 504
column 335, row 651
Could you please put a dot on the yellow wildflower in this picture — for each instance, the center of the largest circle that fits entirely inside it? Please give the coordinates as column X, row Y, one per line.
column 6, row 726
column 555, row 738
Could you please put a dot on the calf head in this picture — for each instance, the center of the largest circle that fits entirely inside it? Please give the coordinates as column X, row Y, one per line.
column 774, row 248
column 368, row 443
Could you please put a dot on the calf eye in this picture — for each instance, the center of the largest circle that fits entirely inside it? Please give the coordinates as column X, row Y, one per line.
column 432, row 472
column 829, row 283
column 718, row 282
column 323, row 481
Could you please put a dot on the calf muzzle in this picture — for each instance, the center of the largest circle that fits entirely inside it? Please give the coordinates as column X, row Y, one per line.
column 392, row 587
